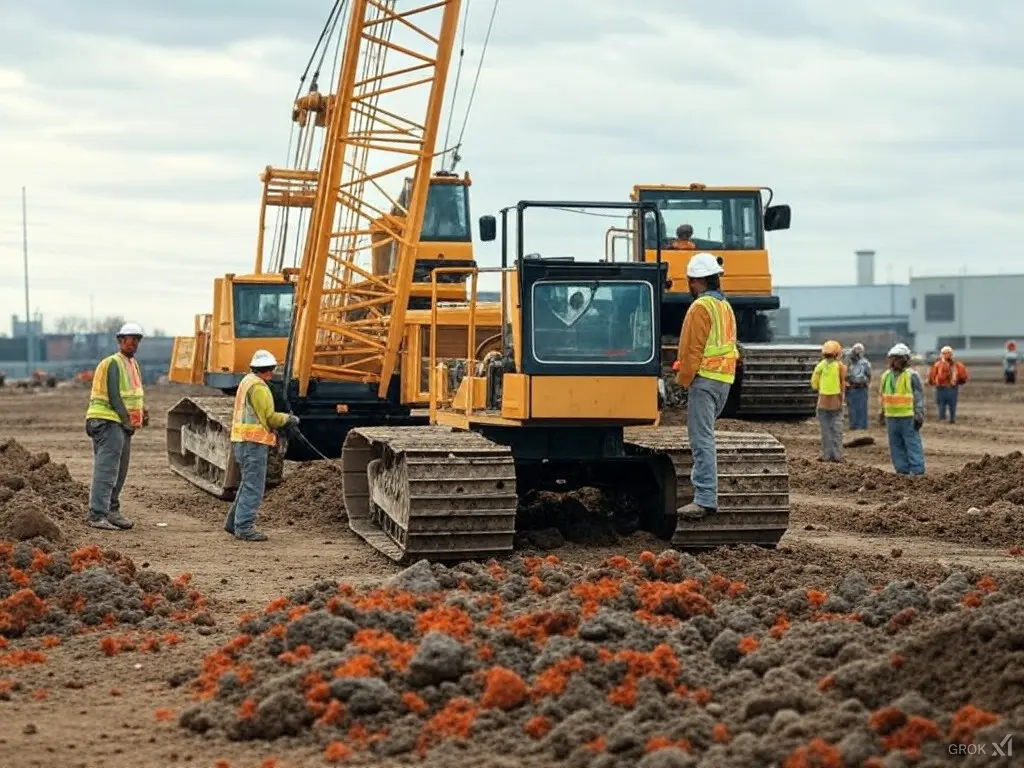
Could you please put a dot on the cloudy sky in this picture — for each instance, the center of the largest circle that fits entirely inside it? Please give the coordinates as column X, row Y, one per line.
column 140, row 126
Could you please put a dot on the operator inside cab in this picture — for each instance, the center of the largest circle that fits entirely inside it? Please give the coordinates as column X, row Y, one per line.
column 684, row 239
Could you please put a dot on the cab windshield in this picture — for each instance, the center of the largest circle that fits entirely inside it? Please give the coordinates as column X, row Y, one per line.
column 263, row 311
column 586, row 323
column 446, row 218
column 729, row 221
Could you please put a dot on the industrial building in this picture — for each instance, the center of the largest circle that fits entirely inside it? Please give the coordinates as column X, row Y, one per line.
column 876, row 315
column 974, row 314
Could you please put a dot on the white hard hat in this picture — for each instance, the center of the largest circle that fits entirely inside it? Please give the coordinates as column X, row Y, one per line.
column 703, row 265
column 131, row 329
column 262, row 359
column 899, row 350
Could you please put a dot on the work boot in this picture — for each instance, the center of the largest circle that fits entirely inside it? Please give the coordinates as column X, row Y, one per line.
column 119, row 521
column 250, row 535
column 100, row 521
column 694, row 511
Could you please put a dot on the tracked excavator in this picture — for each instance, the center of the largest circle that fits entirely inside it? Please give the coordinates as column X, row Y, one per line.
column 772, row 380
column 566, row 402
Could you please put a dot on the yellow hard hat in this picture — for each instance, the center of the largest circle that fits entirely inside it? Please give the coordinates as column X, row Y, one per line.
column 831, row 348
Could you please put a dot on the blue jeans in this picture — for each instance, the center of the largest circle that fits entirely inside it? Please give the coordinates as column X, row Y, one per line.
column 857, row 403
column 252, row 461
column 905, row 446
column 945, row 400
column 705, row 402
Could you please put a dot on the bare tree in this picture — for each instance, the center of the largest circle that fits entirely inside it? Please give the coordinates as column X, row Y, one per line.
column 71, row 324
column 109, row 325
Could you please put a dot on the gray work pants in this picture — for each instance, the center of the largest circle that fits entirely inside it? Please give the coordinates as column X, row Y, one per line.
column 831, row 422
column 111, row 453
column 252, row 461
column 705, row 403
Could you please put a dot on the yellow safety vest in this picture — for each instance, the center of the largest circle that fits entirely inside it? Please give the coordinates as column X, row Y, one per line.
column 246, row 426
column 130, row 385
column 719, row 360
column 897, row 397
column 827, row 373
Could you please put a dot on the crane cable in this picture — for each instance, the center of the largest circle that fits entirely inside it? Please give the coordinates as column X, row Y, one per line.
column 472, row 93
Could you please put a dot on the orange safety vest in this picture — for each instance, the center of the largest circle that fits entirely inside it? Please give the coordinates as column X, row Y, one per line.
column 246, row 426
column 720, row 353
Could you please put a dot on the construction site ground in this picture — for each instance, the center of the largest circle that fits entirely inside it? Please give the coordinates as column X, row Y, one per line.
column 111, row 692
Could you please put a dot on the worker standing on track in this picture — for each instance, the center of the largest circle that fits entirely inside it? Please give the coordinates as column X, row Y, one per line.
column 901, row 396
column 707, row 369
column 1010, row 360
column 947, row 375
column 829, row 381
column 116, row 410
column 858, row 380
column 252, row 436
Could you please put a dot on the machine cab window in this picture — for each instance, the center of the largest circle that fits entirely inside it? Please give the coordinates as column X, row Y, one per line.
column 446, row 218
column 263, row 311
column 591, row 323
column 719, row 220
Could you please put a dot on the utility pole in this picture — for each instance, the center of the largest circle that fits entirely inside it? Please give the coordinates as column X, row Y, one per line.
column 29, row 335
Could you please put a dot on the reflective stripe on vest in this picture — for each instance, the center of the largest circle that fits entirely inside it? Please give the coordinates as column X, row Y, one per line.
column 828, row 377
column 898, row 395
column 719, row 360
column 130, row 386
column 245, row 424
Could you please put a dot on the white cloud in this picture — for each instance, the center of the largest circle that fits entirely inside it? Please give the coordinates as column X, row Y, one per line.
column 883, row 126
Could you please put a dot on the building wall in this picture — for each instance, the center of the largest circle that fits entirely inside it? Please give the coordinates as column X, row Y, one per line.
column 853, row 306
column 969, row 312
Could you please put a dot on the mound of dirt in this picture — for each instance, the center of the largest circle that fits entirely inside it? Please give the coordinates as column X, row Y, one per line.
column 309, row 497
column 54, row 593
column 981, row 504
column 38, row 497
column 655, row 663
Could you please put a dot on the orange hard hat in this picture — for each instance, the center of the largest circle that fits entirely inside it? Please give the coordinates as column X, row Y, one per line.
column 675, row 366
column 831, row 348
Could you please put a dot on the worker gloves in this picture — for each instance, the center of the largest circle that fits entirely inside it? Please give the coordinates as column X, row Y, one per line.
column 918, row 423
column 293, row 420
column 145, row 418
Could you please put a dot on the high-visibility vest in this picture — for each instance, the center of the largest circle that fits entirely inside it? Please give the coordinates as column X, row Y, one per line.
column 827, row 372
column 719, row 360
column 897, row 394
column 246, row 426
column 130, row 386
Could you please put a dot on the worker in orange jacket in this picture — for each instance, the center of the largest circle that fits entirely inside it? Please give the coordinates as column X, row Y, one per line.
column 947, row 375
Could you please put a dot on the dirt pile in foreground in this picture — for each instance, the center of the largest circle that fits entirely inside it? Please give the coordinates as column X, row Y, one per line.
column 309, row 497
column 39, row 497
column 655, row 663
column 50, row 592
column 982, row 503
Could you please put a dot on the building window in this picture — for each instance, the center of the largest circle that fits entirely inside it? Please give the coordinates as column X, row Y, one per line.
column 939, row 308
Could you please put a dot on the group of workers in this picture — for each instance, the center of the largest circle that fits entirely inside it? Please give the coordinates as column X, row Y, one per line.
column 117, row 408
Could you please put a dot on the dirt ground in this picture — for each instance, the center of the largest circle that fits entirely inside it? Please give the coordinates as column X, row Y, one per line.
column 105, row 674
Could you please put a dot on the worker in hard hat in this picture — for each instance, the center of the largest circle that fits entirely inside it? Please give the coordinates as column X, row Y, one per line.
column 947, row 375
column 858, row 380
column 1010, row 360
column 707, row 369
column 253, row 422
column 116, row 409
column 901, row 397
column 829, row 381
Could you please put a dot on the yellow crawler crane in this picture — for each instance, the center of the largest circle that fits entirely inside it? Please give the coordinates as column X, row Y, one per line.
column 568, row 401
column 374, row 223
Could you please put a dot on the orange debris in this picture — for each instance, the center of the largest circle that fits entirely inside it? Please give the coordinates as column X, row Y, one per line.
column 720, row 733
column 336, row 752
column 360, row 665
column 781, row 625
column 817, row 753
column 749, row 644
column 537, row 727
column 816, row 598
column 446, row 618
column 414, row 702
column 966, row 721
column 163, row 714
column 503, row 689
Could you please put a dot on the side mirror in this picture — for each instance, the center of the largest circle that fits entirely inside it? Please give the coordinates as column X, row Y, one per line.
column 776, row 217
column 488, row 228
